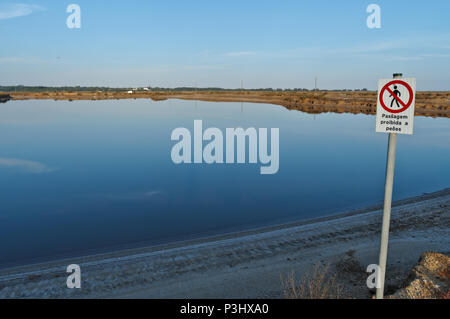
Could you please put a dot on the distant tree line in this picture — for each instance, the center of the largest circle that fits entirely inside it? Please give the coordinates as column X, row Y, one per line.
column 23, row 88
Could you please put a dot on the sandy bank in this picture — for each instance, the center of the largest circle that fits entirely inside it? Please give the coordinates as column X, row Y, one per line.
column 436, row 104
column 248, row 264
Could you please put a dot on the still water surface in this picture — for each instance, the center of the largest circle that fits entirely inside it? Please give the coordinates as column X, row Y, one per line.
column 92, row 176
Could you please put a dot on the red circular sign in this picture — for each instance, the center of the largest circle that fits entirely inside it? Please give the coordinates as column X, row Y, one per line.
column 403, row 104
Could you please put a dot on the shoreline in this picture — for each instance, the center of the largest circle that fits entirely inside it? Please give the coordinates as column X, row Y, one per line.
column 434, row 104
column 120, row 252
column 127, row 273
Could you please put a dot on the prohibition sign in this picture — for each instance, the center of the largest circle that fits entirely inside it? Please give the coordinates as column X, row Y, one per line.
column 405, row 105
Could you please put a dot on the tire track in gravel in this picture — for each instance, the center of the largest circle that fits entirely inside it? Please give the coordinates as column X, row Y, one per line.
column 100, row 277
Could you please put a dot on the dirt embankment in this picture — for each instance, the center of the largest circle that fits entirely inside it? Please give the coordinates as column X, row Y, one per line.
column 251, row 264
column 4, row 98
column 429, row 279
column 436, row 104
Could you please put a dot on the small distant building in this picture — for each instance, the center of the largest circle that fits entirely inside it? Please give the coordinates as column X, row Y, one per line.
column 130, row 92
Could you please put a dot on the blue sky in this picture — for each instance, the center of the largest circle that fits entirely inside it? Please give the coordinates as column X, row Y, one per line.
column 280, row 44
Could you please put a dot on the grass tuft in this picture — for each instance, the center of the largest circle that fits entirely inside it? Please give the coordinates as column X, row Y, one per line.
column 316, row 284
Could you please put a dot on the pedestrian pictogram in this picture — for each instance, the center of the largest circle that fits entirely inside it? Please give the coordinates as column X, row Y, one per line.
column 395, row 96
column 395, row 107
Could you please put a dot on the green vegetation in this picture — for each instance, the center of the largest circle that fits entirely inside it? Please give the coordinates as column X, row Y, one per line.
column 22, row 88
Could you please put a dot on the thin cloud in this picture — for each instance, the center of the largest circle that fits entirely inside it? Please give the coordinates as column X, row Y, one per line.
column 24, row 60
column 15, row 10
column 424, row 43
column 204, row 67
column 239, row 54
column 436, row 56
column 24, row 165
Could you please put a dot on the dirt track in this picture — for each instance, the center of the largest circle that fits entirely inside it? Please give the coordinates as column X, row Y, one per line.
column 247, row 265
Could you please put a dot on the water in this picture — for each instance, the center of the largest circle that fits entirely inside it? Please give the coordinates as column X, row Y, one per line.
column 93, row 176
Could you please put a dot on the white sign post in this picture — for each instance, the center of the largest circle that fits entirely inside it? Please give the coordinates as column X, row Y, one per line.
column 395, row 115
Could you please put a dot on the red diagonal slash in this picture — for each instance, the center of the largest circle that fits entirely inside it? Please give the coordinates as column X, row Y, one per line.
column 396, row 97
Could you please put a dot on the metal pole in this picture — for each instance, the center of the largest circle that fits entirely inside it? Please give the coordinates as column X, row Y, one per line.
column 392, row 146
